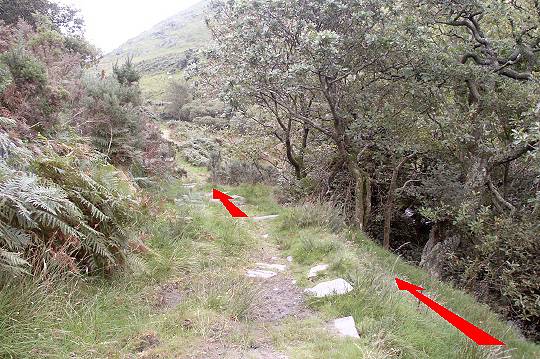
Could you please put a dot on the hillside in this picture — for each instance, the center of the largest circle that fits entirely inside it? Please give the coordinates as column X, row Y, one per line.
column 164, row 50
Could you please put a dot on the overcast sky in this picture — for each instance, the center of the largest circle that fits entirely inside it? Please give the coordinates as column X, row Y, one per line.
column 109, row 23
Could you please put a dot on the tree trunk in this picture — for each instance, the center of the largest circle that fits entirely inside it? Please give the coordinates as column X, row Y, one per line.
column 296, row 161
column 389, row 207
column 436, row 250
column 359, row 210
column 367, row 202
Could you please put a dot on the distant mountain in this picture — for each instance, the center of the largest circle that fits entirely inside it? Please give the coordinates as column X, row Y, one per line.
column 165, row 48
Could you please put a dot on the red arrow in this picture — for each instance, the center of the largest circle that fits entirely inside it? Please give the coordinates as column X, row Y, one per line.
column 226, row 200
column 478, row 335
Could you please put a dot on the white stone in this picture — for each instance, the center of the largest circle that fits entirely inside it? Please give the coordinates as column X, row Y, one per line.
column 278, row 267
column 315, row 270
column 289, row 259
column 258, row 273
column 333, row 287
column 265, row 218
column 265, row 236
column 346, row 327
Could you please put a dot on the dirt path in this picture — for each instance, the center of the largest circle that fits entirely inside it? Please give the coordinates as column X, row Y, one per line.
column 277, row 299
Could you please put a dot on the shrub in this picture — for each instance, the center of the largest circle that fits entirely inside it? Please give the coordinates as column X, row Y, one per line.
column 198, row 151
column 112, row 120
column 24, row 67
column 217, row 123
column 500, row 266
column 126, row 74
column 235, row 172
column 178, row 96
column 200, row 108
column 5, row 78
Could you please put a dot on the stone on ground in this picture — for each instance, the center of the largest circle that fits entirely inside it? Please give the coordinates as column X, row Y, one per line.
column 259, row 273
column 346, row 327
column 313, row 272
column 278, row 267
column 333, row 287
column 238, row 200
column 265, row 218
column 289, row 259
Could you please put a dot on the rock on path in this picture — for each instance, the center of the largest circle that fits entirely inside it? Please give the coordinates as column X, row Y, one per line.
column 265, row 218
column 346, row 327
column 259, row 273
column 278, row 267
column 333, row 287
column 313, row 272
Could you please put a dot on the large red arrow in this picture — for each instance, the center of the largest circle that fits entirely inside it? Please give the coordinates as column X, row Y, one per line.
column 473, row 332
column 226, row 200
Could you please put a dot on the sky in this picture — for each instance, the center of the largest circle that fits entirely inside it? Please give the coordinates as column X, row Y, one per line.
column 110, row 23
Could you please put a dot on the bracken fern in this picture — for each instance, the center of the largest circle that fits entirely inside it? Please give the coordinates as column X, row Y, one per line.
column 60, row 209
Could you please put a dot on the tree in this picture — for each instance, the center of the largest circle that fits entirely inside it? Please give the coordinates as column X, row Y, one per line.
column 63, row 17
column 430, row 107
column 126, row 74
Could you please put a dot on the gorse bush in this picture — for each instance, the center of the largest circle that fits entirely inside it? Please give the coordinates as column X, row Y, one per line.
column 41, row 72
column 24, row 67
column 63, row 210
column 114, row 123
column 178, row 95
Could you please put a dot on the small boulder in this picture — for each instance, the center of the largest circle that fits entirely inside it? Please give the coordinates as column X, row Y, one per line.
column 333, row 287
column 278, row 267
column 346, row 327
column 313, row 272
column 258, row 273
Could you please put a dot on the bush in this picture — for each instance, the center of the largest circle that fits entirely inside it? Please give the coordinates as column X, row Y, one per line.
column 24, row 67
column 198, row 151
column 112, row 120
column 503, row 265
column 126, row 74
column 178, row 96
column 235, row 172
column 5, row 78
column 217, row 123
column 200, row 108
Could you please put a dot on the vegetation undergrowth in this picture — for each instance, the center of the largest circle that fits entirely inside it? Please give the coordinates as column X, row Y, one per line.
column 187, row 251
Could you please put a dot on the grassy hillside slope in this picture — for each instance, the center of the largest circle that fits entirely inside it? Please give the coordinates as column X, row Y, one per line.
column 162, row 52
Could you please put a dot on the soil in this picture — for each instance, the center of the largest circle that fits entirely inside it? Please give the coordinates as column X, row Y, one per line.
column 168, row 296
